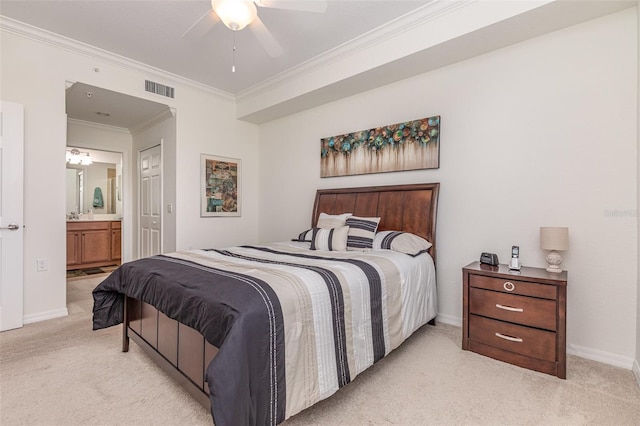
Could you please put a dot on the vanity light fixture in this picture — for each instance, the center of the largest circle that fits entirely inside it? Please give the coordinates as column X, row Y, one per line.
column 86, row 160
column 74, row 156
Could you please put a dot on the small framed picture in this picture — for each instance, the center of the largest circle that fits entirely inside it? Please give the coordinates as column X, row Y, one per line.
column 220, row 186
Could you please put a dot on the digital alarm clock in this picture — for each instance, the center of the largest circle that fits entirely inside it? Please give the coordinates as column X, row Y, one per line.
column 489, row 259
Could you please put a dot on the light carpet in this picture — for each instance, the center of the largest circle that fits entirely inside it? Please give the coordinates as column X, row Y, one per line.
column 60, row 372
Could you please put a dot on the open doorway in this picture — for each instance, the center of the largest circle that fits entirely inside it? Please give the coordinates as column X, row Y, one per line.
column 112, row 128
column 94, row 211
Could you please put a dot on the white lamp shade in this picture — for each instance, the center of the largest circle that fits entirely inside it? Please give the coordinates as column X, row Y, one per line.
column 235, row 14
column 554, row 238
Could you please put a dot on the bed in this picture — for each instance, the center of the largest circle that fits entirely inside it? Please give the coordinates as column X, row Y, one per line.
column 259, row 333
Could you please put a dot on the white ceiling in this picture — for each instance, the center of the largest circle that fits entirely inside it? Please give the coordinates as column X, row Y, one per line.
column 98, row 105
column 151, row 32
column 354, row 46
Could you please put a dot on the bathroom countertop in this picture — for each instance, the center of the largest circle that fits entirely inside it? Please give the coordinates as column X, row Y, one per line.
column 97, row 218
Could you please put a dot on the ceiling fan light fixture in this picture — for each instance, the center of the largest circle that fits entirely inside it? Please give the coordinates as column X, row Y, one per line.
column 235, row 14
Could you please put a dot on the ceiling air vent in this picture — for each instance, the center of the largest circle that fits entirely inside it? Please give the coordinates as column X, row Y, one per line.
column 159, row 89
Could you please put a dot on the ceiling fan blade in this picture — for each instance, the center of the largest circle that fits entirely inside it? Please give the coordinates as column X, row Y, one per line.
column 202, row 26
column 316, row 6
column 266, row 39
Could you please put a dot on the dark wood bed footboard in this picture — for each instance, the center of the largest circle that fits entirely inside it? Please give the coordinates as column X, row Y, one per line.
column 179, row 350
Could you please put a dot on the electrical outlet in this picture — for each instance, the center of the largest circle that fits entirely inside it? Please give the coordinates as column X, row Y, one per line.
column 41, row 264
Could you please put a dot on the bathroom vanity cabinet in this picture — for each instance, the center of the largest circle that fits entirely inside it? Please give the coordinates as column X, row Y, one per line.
column 93, row 244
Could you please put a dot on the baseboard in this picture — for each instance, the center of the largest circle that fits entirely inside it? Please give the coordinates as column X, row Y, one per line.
column 636, row 371
column 601, row 356
column 42, row 316
column 449, row 319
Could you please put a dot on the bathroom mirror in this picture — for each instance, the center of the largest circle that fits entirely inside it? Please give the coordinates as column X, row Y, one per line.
column 93, row 187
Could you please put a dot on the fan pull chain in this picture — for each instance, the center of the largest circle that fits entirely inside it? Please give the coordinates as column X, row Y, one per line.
column 233, row 66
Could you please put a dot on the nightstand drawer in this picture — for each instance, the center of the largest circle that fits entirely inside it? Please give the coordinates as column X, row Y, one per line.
column 513, row 286
column 523, row 310
column 526, row 341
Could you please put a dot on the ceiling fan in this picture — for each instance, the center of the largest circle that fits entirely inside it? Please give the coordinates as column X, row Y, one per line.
column 238, row 14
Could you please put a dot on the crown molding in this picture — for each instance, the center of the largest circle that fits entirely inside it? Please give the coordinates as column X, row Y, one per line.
column 395, row 28
column 431, row 11
column 161, row 116
column 92, row 125
column 24, row 30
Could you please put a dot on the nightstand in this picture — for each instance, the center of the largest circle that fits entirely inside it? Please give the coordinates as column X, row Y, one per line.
column 517, row 317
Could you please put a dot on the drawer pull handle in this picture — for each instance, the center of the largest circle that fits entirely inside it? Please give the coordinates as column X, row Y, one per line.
column 509, row 338
column 509, row 286
column 509, row 308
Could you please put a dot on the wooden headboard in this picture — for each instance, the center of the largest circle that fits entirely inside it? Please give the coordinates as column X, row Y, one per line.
column 410, row 208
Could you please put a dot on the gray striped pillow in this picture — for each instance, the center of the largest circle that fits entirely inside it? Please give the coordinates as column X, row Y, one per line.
column 304, row 236
column 362, row 230
column 330, row 239
column 404, row 242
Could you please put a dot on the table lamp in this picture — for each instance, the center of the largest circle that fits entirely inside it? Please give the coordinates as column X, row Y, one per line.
column 554, row 239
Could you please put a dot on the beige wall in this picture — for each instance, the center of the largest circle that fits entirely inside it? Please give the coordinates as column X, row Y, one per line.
column 34, row 73
column 542, row 133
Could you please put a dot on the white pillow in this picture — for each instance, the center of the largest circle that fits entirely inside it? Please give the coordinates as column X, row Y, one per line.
column 329, row 221
column 361, row 232
column 330, row 239
column 404, row 242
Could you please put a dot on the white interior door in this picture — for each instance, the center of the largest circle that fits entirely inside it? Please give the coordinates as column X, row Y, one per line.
column 150, row 201
column 11, row 215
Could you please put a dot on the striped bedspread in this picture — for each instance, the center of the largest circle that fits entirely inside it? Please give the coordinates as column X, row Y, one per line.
column 293, row 325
